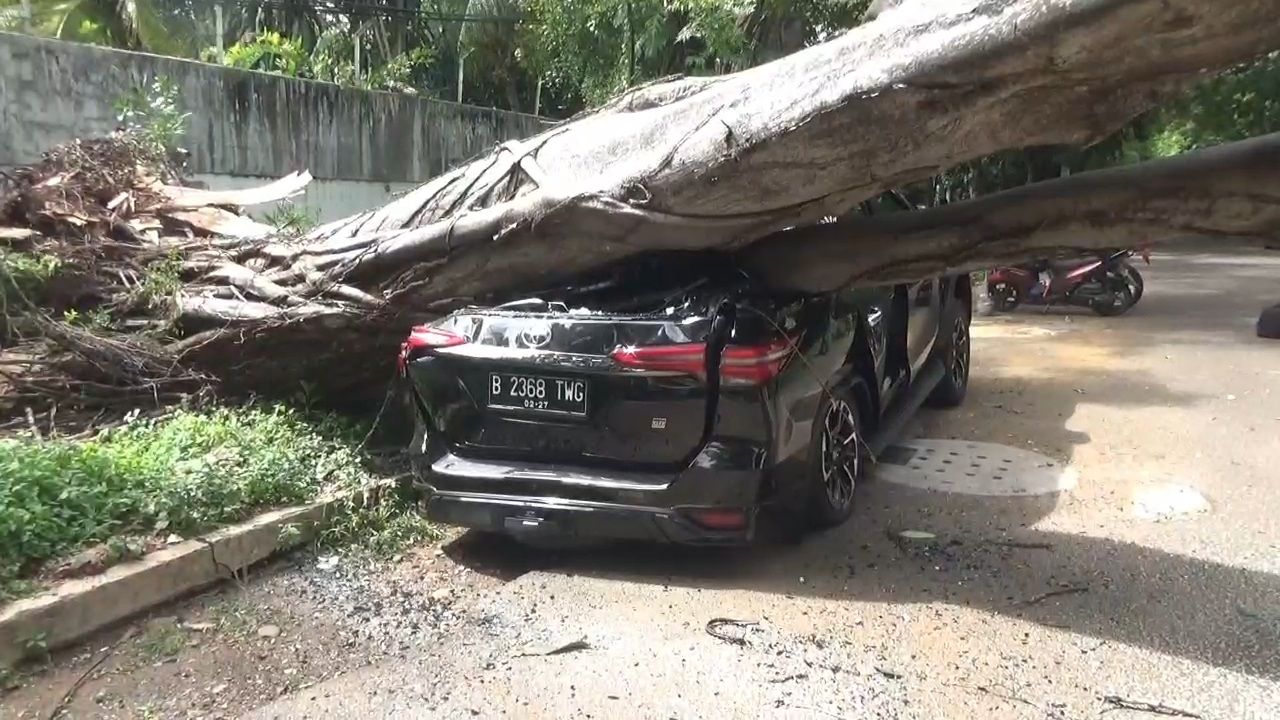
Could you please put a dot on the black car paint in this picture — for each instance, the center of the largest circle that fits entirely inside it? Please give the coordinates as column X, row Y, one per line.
column 612, row 473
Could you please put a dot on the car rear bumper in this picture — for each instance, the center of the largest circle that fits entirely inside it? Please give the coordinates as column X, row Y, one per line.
column 555, row 500
column 545, row 517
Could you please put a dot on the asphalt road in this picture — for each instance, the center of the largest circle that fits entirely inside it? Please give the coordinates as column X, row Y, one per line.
column 1031, row 606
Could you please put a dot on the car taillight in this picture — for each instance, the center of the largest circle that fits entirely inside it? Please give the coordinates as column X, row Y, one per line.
column 739, row 364
column 753, row 364
column 425, row 337
column 688, row 358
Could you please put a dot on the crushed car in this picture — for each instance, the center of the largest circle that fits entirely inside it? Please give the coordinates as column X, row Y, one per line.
column 673, row 398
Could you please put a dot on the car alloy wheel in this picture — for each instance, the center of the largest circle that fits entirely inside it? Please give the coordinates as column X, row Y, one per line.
column 841, row 452
column 959, row 351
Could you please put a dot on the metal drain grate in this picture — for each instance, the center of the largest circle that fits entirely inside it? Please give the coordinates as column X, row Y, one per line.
column 974, row 468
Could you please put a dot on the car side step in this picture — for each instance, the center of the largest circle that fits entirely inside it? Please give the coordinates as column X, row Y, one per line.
column 896, row 419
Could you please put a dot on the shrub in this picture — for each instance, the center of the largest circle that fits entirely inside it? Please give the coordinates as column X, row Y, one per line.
column 182, row 474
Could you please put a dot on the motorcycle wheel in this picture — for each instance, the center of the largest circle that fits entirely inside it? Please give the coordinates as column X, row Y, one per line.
column 1134, row 279
column 1004, row 296
column 1123, row 297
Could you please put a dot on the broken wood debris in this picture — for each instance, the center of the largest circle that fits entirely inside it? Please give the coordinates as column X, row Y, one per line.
column 177, row 197
column 106, row 243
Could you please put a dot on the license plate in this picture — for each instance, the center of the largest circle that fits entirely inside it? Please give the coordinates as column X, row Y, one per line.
column 538, row 393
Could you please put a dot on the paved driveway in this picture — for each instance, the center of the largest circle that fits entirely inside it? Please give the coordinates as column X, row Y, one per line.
column 1155, row 580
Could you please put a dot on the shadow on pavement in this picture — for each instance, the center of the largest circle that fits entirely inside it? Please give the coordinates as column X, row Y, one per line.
column 1183, row 606
column 984, row 557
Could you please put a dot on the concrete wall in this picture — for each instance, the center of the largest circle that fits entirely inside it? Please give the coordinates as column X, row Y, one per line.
column 360, row 145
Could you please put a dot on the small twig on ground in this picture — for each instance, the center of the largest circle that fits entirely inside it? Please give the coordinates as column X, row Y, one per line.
column 789, row 678
column 1021, row 545
column 892, row 675
column 714, row 625
column 1119, row 703
column 84, row 676
column 993, row 693
column 819, row 710
column 1072, row 590
column 571, row 646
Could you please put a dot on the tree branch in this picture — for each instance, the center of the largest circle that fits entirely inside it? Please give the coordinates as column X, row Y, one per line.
column 1231, row 190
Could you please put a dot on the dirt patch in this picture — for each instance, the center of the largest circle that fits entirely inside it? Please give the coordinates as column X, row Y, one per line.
column 292, row 625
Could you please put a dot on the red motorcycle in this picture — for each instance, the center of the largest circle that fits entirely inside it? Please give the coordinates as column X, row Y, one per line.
column 1108, row 285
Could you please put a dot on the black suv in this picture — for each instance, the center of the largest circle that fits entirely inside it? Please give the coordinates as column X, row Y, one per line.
column 674, row 398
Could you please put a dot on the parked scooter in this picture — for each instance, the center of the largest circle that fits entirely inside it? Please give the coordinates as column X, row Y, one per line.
column 1108, row 285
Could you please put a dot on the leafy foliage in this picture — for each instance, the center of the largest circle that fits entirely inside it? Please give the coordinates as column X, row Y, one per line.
column 162, row 281
column 1241, row 103
column 588, row 50
column 182, row 474
column 382, row 529
column 582, row 51
column 290, row 219
column 154, row 115
column 167, row 27
column 23, row 275
column 269, row 51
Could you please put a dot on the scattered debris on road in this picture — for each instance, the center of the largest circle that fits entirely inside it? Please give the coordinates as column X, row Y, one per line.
column 1069, row 590
column 1020, row 545
column 891, row 674
column 714, row 626
column 1119, row 703
column 84, row 676
column 554, row 649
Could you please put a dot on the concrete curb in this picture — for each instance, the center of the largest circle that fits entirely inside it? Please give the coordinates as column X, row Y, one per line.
column 76, row 608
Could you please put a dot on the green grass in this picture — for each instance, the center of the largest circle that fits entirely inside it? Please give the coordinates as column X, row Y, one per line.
column 184, row 474
column 382, row 530
column 162, row 640
column 23, row 276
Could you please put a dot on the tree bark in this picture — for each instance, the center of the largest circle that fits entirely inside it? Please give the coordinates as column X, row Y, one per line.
column 710, row 163
column 1231, row 190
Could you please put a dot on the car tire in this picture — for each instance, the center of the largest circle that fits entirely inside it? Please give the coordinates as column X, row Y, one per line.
column 955, row 355
column 837, row 456
column 1126, row 296
column 1269, row 322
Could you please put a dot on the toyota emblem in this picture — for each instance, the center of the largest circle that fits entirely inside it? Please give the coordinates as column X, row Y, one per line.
column 536, row 336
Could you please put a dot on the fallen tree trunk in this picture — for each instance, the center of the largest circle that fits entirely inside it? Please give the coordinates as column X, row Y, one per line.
column 1231, row 190
column 719, row 162
column 694, row 163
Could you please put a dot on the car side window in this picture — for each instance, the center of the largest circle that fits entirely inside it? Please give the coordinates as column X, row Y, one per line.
column 885, row 203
